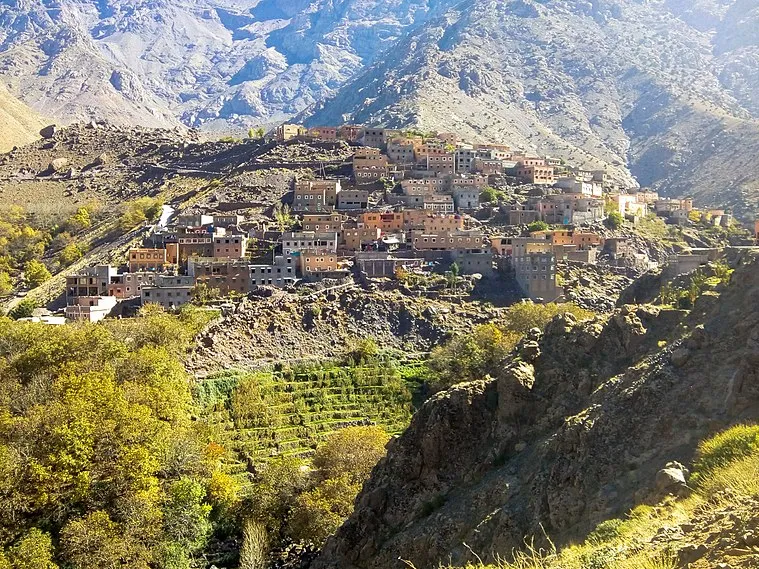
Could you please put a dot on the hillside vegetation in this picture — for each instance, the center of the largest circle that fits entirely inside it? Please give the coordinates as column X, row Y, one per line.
column 716, row 523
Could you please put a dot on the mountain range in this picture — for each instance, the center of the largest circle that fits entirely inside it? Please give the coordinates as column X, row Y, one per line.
column 664, row 93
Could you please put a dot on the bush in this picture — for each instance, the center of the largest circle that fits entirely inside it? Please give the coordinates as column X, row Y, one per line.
column 724, row 448
column 35, row 273
column 351, row 452
column 491, row 195
column 537, row 226
column 140, row 211
column 605, row 531
column 70, row 254
column 23, row 309
column 6, row 284
column 319, row 512
column 615, row 220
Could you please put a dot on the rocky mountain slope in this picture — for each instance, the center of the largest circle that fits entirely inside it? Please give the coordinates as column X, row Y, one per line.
column 569, row 433
column 157, row 63
column 18, row 123
column 666, row 91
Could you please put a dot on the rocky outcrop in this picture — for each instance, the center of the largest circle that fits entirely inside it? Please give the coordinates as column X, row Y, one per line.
column 600, row 418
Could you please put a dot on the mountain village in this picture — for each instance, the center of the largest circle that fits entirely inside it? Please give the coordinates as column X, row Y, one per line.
column 412, row 205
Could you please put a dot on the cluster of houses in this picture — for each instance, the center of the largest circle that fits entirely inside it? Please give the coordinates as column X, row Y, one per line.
column 408, row 206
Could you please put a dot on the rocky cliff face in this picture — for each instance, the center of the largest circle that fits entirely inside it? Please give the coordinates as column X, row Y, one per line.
column 159, row 62
column 664, row 91
column 571, row 432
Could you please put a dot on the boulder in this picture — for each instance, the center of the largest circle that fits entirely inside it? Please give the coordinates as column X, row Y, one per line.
column 680, row 357
column 672, row 478
column 59, row 165
column 49, row 131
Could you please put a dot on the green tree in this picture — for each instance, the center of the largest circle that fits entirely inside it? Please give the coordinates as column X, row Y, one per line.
column 283, row 216
column 491, row 195
column 24, row 309
column 186, row 515
column 319, row 512
column 351, row 452
column 362, row 351
column 615, row 220
column 35, row 273
column 92, row 542
column 6, row 284
column 203, row 294
column 537, row 226
column 70, row 254
column 255, row 546
column 80, row 220
column 34, row 551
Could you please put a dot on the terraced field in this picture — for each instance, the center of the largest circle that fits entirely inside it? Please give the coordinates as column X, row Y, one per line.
column 288, row 411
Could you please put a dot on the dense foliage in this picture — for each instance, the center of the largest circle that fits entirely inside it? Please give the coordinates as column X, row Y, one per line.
column 31, row 247
column 101, row 463
column 477, row 354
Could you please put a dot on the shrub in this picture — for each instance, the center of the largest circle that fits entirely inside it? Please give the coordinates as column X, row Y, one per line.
column 6, row 284
column 70, row 254
column 537, row 226
column 23, row 309
column 615, row 220
column 351, row 452
column 320, row 511
column 605, row 531
column 35, row 273
column 724, row 448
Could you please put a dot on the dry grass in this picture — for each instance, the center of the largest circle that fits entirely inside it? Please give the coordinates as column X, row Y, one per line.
column 730, row 478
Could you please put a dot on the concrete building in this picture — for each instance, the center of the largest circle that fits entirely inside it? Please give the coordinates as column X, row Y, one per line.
column 465, row 241
column 315, row 262
column 287, row 132
column 441, row 163
column 143, row 259
column 169, row 291
column 323, row 132
column 280, row 273
column 352, row 200
column 316, row 196
column 90, row 308
column 233, row 246
column 383, row 264
column 466, row 198
column 534, row 265
column 129, row 285
column 90, row 282
column 226, row 274
column 355, row 239
column 324, row 222
column 535, row 174
column 374, row 137
column 194, row 220
column 574, row 185
column 438, row 203
column 297, row 241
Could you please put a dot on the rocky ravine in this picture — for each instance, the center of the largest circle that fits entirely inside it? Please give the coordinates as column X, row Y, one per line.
column 664, row 91
column 570, row 433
